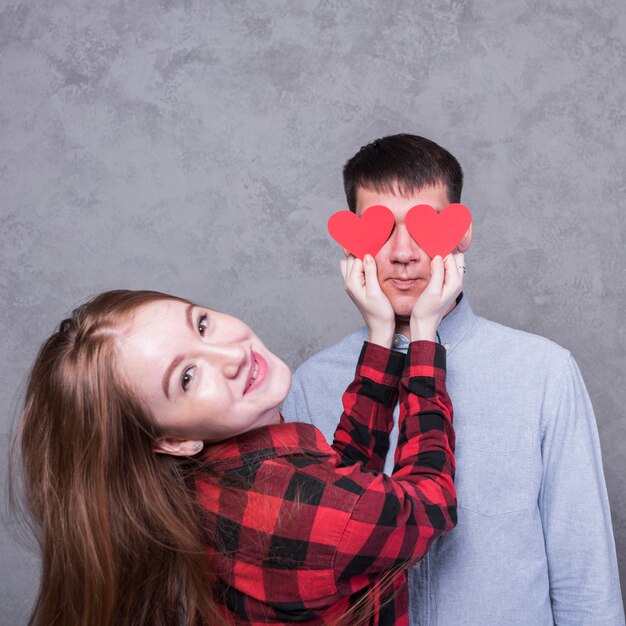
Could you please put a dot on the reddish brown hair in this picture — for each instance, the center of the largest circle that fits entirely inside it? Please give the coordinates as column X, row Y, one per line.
column 116, row 523
column 121, row 539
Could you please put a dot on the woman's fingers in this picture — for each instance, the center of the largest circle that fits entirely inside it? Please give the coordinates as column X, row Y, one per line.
column 352, row 262
column 346, row 268
column 459, row 261
column 343, row 266
column 437, row 273
column 356, row 272
column 349, row 262
column 454, row 264
column 360, row 277
column 453, row 278
column 371, row 275
column 353, row 281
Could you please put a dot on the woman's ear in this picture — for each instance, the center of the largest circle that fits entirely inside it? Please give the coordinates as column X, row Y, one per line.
column 466, row 242
column 178, row 447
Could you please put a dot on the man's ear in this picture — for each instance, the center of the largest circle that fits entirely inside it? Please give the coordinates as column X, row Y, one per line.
column 466, row 242
column 178, row 447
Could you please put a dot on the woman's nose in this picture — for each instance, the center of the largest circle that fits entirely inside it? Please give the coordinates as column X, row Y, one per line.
column 229, row 358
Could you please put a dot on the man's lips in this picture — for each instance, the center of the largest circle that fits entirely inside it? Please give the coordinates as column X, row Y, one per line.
column 404, row 283
column 257, row 372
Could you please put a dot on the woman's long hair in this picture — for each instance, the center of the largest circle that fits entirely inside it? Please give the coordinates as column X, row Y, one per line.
column 116, row 523
column 121, row 538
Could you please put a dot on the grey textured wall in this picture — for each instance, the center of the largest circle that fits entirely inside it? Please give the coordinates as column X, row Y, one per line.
column 195, row 147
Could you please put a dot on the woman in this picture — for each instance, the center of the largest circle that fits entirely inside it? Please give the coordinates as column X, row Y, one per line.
column 165, row 488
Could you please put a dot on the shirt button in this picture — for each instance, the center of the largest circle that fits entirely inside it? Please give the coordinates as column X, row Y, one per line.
column 396, row 341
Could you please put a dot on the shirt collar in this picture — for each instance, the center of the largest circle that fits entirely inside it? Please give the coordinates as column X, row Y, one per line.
column 452, row 329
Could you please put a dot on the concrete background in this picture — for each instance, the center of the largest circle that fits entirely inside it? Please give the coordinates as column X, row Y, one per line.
column 195, row 148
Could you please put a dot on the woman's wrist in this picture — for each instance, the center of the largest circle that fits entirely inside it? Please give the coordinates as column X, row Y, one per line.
column 380, row 337
column 423, row 330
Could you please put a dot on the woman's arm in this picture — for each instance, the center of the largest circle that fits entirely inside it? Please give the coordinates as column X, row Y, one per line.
column 300, row 532
column 362, row 435
column 395, row 519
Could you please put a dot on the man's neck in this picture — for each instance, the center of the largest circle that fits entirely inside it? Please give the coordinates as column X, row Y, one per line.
column 403, row 326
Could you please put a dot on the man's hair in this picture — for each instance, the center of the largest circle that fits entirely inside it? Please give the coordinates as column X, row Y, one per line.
column 403, row 163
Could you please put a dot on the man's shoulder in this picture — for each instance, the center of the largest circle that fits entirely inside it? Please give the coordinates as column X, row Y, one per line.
column 516, row 343
column 335, row 358
column 318, row 384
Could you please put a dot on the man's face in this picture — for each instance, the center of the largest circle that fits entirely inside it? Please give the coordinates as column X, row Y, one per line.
column 403, row 267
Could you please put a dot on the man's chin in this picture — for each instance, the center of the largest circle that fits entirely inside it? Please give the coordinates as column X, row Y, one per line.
column 402, row 307
column 403, row 315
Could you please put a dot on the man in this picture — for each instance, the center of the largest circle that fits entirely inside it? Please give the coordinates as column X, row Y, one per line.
column 534, row 543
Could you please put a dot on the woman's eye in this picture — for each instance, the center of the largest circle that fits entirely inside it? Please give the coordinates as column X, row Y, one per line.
column 186, row 378
column 202, row 324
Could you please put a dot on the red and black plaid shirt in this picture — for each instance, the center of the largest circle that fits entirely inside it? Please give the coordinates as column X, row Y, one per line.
column 301, row 529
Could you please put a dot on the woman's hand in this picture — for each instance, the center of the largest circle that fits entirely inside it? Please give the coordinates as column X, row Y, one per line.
column 361, row 283
column 445, row 284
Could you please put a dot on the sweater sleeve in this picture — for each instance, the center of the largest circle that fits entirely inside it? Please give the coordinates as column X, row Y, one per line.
column 362, row 435
column 395, row 519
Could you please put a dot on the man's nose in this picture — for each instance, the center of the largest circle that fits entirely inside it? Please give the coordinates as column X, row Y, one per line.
column 402, row 247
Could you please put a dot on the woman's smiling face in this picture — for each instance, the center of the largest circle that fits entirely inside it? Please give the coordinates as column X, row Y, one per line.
column 203, row 375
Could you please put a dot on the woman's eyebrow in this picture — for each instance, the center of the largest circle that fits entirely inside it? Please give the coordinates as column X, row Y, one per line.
column 189, row 318
column 177, row 360
column 168, row 374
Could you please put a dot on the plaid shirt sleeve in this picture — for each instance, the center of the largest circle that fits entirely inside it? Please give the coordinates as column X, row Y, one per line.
column 396, row 518
column 362, row 435
column 295, row 534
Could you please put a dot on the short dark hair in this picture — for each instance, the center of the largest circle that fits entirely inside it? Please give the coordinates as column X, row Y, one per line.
column 406, row 162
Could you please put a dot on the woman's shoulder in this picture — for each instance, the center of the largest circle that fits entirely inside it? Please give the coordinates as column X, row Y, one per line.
column 266, row 443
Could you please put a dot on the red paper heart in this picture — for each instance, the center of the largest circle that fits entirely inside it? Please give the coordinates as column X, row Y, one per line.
column 438, row 233
column 362, row 235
